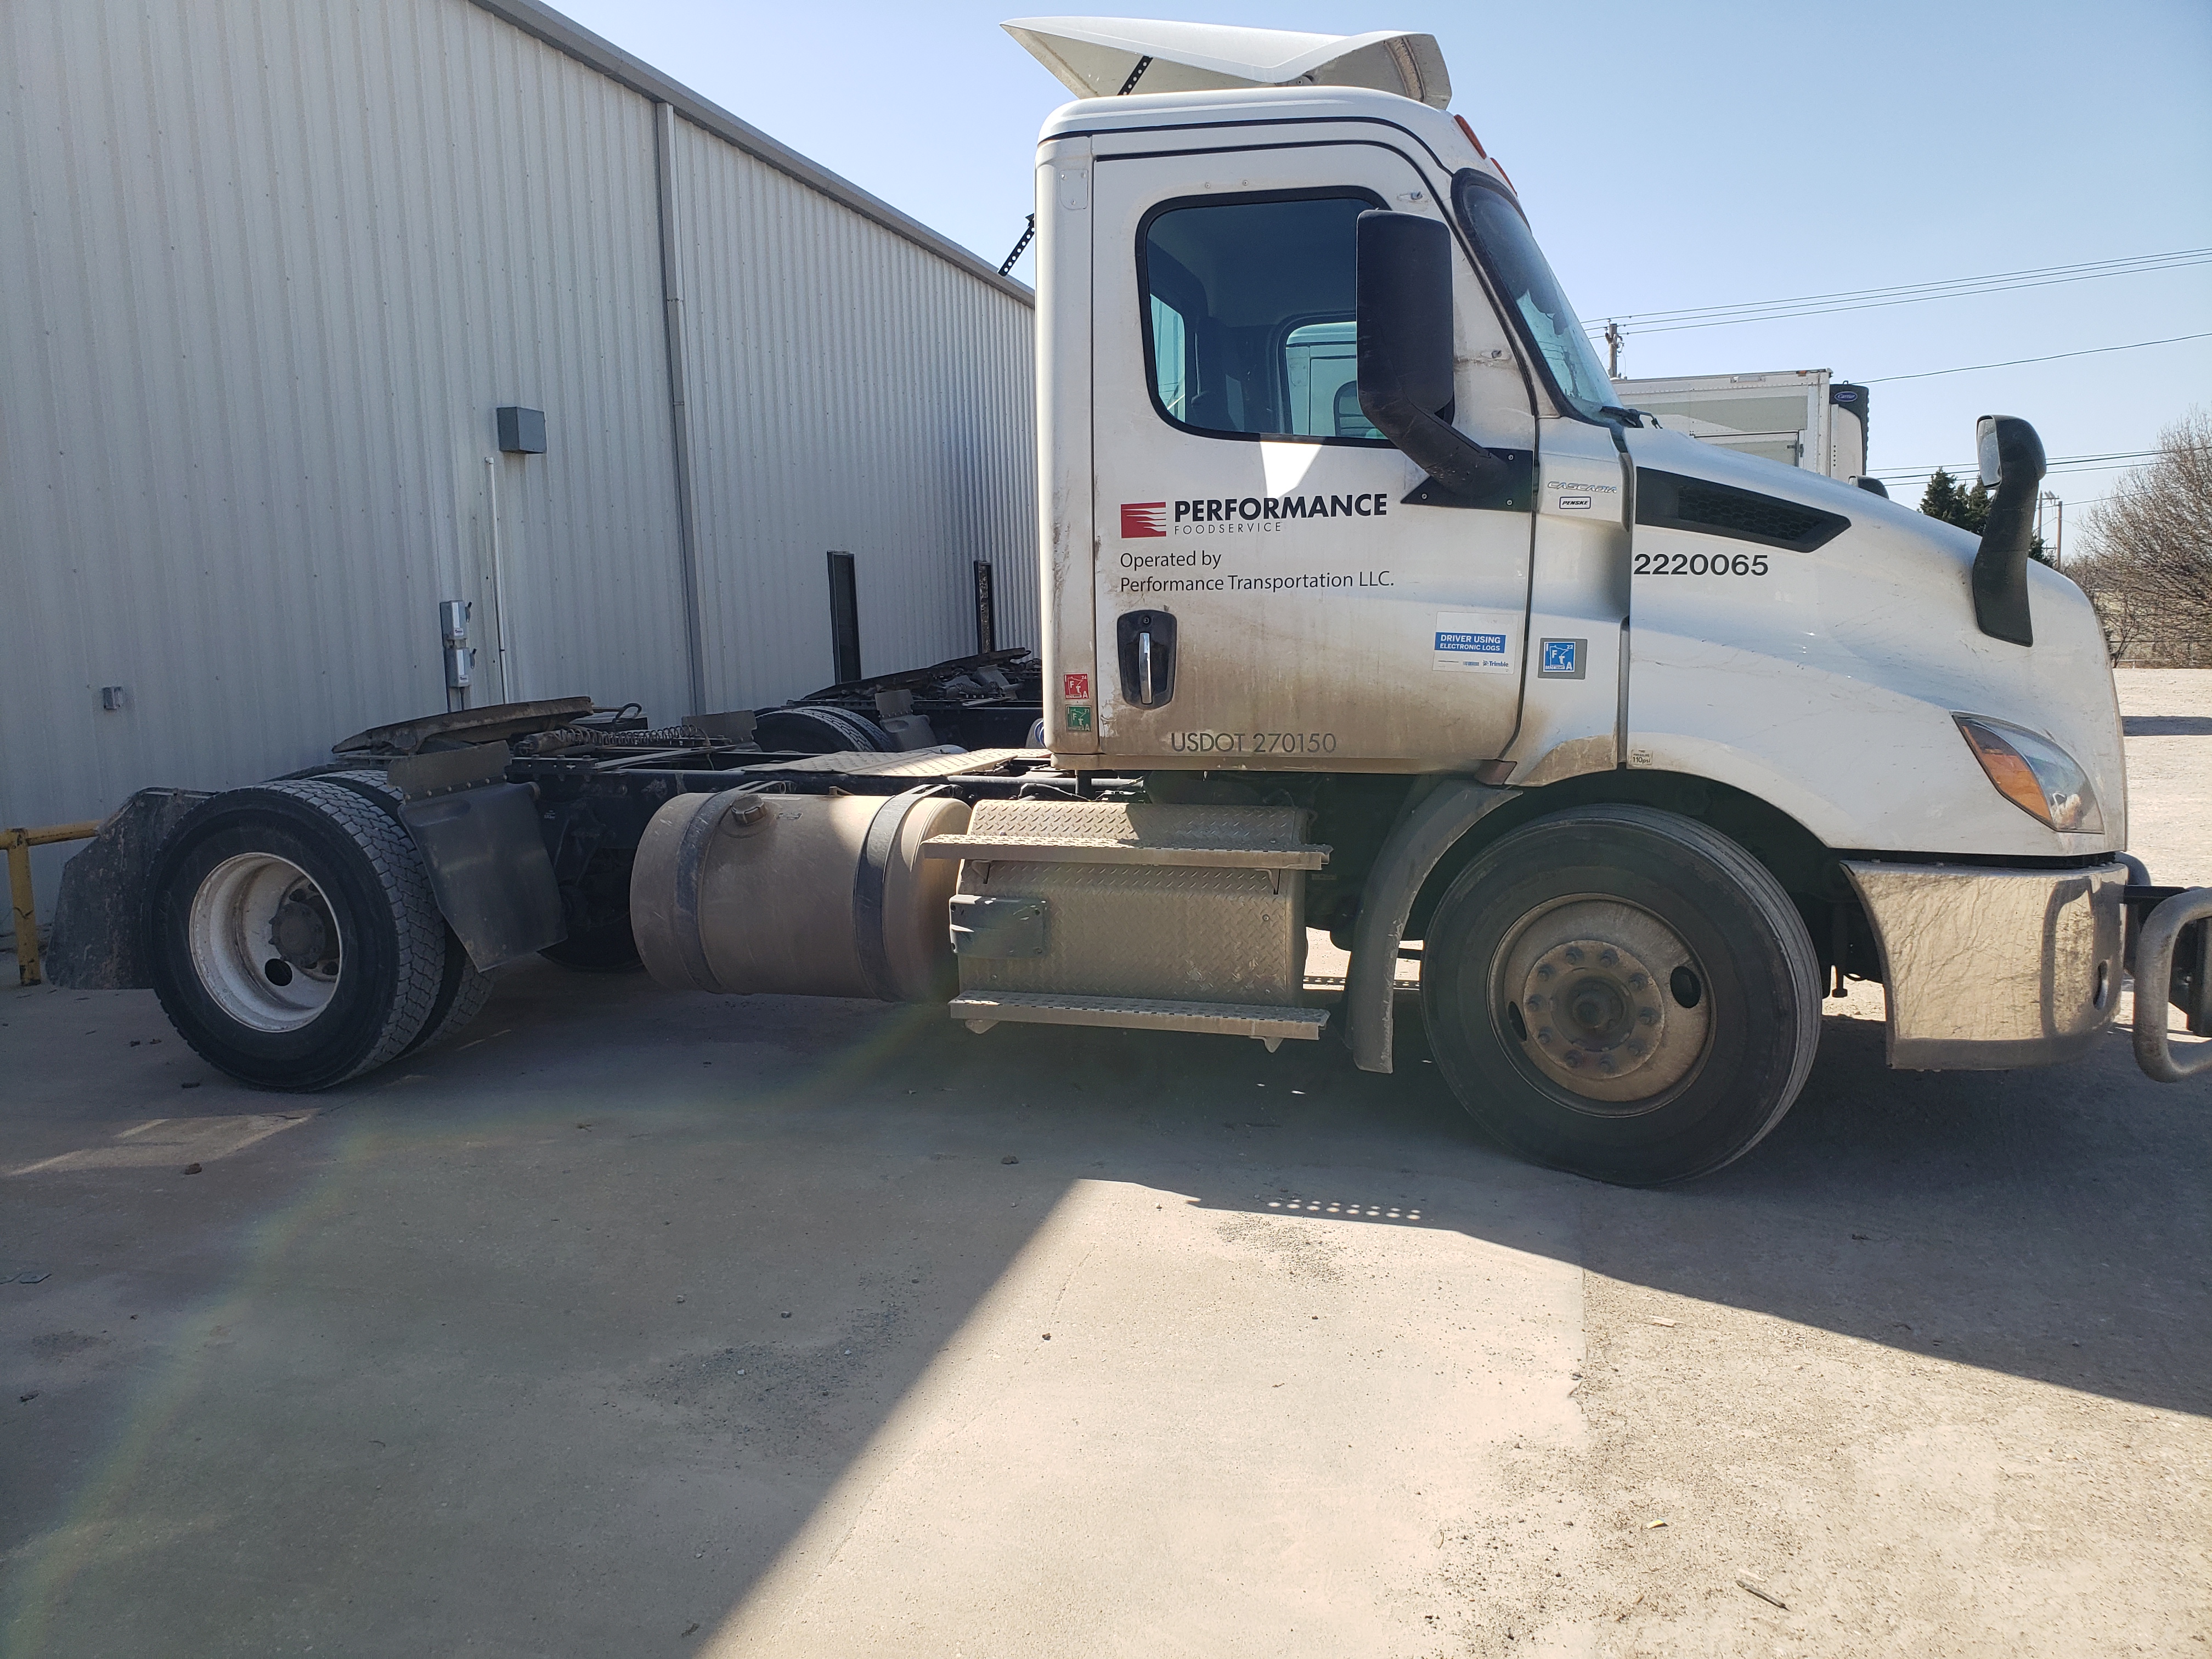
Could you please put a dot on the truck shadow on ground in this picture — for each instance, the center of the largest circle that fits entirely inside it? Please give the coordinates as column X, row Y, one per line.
column 2047, row 1224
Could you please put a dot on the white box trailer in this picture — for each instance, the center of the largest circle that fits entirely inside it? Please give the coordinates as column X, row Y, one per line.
column 1803, row 417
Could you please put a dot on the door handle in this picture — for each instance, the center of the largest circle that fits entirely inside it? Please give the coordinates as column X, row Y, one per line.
column 1145, row 643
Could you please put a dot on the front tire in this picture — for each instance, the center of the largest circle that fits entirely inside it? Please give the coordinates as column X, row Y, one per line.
column 1621, row 992
column 293, row 937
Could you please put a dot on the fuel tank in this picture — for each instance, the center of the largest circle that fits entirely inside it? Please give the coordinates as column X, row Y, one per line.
column 798, row 895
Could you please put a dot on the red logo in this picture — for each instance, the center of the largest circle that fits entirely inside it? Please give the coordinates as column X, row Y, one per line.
column 1144, row 518
column 1076, row 686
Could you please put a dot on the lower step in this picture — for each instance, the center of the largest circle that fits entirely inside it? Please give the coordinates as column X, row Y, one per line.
column 1269, row 1025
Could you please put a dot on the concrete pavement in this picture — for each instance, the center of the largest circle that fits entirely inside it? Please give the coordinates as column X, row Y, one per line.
column 639, row 1324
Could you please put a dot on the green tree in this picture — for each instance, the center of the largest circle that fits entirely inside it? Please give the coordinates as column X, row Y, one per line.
column 1967, row 508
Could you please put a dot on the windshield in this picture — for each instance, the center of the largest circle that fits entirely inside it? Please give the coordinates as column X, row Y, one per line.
column 1517, row 263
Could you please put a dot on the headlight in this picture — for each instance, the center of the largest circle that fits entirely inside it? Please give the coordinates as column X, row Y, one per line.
column 2032, row 773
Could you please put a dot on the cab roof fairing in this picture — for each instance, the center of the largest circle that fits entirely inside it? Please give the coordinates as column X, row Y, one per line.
column 1095, row 57
column 1440, row 134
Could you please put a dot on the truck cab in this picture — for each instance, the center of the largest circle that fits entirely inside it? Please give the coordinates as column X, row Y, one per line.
column 1616, row 631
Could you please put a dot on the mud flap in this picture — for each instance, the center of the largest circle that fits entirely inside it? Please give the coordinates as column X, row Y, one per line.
column 1428, row 828
column 99, row 938
column 489, row 870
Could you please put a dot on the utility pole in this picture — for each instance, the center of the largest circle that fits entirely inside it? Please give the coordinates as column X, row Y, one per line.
column 1612, row 349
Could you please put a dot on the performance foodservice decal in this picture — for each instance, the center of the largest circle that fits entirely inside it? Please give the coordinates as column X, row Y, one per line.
column 1229, row 516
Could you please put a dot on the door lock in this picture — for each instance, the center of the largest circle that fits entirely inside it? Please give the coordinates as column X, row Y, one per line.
column 1145, row 642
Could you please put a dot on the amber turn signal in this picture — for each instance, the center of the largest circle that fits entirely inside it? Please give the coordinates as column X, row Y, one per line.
column 2032, row 773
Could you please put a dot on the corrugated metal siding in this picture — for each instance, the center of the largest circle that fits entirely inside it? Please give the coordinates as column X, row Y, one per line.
column 851, row 392
column 272, row 265
column 279, row 264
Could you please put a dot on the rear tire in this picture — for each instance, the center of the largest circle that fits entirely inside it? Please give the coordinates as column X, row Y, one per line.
column 1621, row 992
column 462, row 991
column 292, row 935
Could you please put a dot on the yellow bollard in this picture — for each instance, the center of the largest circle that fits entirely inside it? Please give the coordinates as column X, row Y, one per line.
column 19, row 843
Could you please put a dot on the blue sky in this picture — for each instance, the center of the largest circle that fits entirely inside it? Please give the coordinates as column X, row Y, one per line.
column 1668, row 156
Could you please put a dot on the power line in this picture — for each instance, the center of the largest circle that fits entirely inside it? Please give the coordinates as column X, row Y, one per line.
column 2015, row 362
column 2090, row 266
column 1968, row 469
column 1668, row 322
column 2117, row 456
column 2061, row 461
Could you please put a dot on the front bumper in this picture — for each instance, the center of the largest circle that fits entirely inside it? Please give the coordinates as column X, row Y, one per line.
column 1991, row 968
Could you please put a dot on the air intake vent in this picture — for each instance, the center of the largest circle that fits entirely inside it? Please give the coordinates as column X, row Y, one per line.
column 1670, row 501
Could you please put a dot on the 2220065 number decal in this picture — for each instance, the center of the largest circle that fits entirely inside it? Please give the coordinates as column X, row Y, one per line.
column 1700, row 564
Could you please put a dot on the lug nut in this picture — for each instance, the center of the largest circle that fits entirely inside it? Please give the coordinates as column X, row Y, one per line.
column 1545, row 1035
column 1637, row 1046
column 1635, row 981
column 1608, row 958
column 1605, row 1062
column 1574, row 953
column 1544, row 971
column 1574, row 1060
column 1536, row 1004
column 1647, row 1017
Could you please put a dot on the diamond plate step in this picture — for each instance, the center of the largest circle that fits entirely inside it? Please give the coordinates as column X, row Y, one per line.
column 1117, row 832
column 1101, row 850
column 1269, row 1025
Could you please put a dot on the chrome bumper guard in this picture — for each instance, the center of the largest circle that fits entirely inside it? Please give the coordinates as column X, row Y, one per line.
column 1989, row 969
column 2169, row 949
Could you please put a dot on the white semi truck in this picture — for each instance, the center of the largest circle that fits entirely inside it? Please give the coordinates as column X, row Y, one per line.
column 1641, row 744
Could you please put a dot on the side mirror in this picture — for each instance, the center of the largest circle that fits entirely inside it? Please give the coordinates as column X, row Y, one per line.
column 1405, row 330
column 2010, row 457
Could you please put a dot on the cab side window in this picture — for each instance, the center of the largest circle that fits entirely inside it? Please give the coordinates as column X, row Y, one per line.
column 1248, row 315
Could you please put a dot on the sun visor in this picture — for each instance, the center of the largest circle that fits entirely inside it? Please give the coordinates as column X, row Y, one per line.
column 1095, row 57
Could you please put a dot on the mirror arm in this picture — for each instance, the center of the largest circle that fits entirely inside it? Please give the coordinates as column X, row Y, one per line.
column 1455, row 461
column 2000, row 580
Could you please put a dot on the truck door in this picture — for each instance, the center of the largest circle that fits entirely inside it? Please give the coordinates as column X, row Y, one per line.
column 1271, row 590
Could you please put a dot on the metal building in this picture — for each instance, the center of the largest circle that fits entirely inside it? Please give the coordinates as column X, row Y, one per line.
column 270, row 268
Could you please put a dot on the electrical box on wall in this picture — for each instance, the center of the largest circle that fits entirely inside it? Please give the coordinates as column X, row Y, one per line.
column 522, row 431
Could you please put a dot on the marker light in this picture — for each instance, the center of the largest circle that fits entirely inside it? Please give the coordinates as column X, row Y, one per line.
column 2032, row 773
column 1471, row 138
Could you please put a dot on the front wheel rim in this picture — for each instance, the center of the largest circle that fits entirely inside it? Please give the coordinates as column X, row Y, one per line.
column 265, row 944
column 1604, row 1003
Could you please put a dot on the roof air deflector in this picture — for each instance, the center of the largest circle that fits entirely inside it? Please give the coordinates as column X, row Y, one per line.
column 1092, row 57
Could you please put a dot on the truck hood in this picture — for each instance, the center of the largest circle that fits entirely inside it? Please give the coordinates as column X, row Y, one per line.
column 1859, row 653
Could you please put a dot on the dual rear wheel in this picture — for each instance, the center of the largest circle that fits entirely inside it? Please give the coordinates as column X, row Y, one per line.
column 294, row 940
